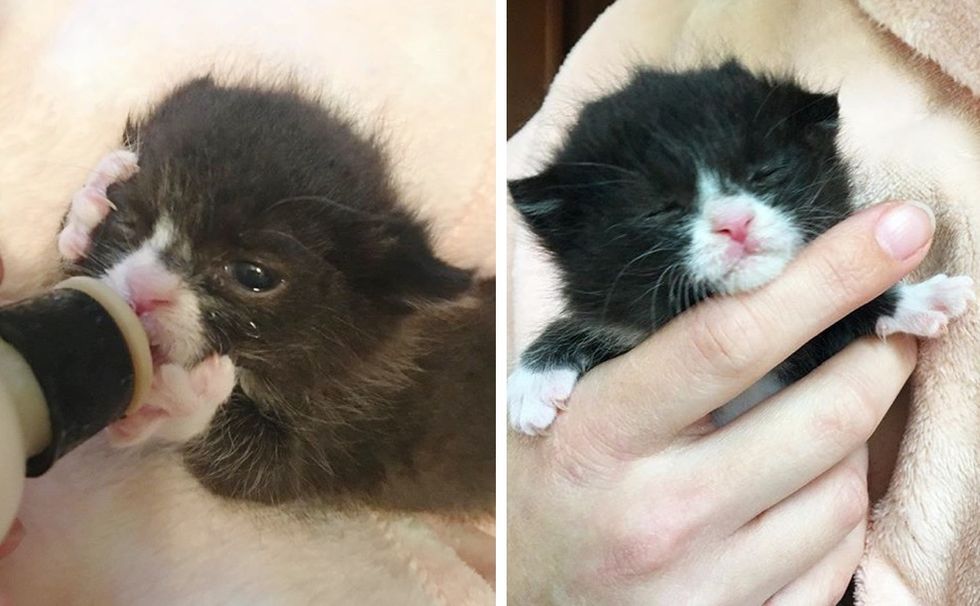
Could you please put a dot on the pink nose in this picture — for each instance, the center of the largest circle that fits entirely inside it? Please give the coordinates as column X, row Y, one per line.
column 734, row 224
column 149, row 290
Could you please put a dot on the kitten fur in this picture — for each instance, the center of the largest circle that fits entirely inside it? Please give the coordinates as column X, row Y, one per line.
column 365, row 376
column 639, row 210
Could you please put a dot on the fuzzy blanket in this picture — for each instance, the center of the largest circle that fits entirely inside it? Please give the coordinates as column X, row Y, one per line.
column 118, row 527
column 907, row 75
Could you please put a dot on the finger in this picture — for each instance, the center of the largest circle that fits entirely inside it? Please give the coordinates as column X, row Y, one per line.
column 782, row 544
column 719, row 348
column 812, row 425
column 825, row 583
column 14, row 536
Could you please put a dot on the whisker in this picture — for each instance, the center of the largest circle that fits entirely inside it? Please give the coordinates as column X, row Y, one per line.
column 334, row 203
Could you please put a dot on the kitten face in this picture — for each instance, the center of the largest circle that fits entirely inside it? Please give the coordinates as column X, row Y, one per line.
column 685, row 185
column 738, row 239
column 262, row 227
column 297, row 313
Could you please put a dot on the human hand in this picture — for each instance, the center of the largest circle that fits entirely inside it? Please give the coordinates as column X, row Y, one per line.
column 12, row 539
column 633, row 499
column 10, row 542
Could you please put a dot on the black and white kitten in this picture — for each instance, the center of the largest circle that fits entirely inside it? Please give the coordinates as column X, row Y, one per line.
column 308, row 343
column 679, row 187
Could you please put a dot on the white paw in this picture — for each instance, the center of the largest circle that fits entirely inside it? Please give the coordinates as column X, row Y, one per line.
column 90, row 206
column 926, row 308
column 180, row 404
column 534, row 397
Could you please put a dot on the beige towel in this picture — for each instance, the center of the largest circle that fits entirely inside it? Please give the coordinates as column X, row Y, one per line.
column 127, row 528
column 944, row 31
column 909, row 131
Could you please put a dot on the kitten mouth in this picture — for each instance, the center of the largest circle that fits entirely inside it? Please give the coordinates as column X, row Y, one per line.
column 751, row 271
column 746, row 260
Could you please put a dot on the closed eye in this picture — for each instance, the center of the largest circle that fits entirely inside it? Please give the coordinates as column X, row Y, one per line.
column 667, row 205
column 766, row 173
column 123, row 220
column 662, row 214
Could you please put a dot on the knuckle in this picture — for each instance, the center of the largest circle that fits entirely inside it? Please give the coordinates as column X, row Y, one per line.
column 723, row 341
column 646, row 554
column 578, row 463
column 650, row 544
column 850, row 416
column 851, row 498
column 583, row 455
column 840, row 276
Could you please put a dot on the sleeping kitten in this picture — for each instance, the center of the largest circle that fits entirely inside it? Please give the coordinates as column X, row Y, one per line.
column 679, row 187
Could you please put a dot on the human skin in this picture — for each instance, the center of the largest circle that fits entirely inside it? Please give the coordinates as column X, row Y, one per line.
column 632, row 497
column 12, row 535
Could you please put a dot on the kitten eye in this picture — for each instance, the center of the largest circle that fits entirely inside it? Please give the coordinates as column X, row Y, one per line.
column 765, row 173
column 123, row 221
column 253, row 277
column 668, row 204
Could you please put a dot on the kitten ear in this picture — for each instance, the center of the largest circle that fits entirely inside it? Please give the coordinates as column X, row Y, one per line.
column 536, row 197
column 410, row 273
column 819, row 115
column 134, row 121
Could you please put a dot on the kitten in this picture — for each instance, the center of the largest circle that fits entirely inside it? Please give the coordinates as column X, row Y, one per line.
column 683, row 186
column 308, row 342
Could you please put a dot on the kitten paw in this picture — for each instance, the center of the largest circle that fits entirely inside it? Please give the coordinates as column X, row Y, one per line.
column 181, row 402
column 926, row 308
column 535, row 397
column 90, row 206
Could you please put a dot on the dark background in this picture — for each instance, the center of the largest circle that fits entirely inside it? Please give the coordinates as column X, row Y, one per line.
column 539, row 35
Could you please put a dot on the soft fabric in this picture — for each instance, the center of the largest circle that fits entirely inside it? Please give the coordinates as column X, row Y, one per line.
column 124, row 527
column 944, row 31
column 909, row 130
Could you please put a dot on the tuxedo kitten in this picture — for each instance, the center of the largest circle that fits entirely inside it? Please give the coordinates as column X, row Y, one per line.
column 683, row 186
column 308, row 342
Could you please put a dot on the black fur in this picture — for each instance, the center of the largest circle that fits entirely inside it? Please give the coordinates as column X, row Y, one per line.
column 610, row 205
column 338, row 369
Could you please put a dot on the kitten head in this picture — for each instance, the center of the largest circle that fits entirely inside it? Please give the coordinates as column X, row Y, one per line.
column 260, row 225
column 684, row 185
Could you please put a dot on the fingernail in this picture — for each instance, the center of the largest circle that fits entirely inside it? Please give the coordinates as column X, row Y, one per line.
column 905, row 229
